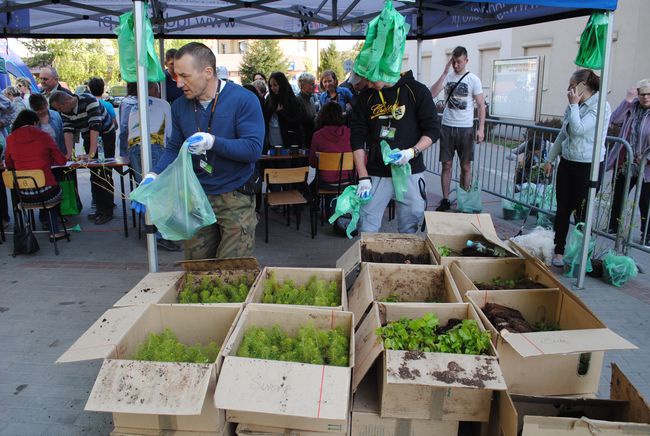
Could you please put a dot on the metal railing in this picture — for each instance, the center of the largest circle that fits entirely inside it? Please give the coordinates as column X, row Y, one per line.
column 519, row 177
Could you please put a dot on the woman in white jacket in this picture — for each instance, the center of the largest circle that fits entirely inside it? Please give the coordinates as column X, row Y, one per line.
column 575, row 145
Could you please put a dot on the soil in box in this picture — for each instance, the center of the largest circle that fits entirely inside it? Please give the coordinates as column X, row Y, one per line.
column 368, row 255
column 505, row 284
column 212, row 289
column 312, row 345
column 503, row 317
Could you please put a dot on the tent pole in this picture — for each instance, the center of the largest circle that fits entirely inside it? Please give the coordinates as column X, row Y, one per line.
column 143, row 99
column 161, row 50
column 595, row 163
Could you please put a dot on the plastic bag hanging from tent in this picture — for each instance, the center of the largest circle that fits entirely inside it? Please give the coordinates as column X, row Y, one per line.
column 618, row 269
column 399, row 173
column 592, row 42
column 573, row 252
column 381, row 57
column 348, row 202
column 125, row 32
column 176, row 201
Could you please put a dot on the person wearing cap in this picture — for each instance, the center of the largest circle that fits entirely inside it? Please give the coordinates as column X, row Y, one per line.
column 633, row 115
column 403, row 115
column 355, row 83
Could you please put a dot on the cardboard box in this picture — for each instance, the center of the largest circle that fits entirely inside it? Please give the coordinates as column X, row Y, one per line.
column 383, row 243
column 164, row 287
column 300, row 276
column 442, row 386
column 259, row 430
column 564, row 362
column 155, row 395
column 367, row 422
column 454, row 229
column 413, row 283
column 625, row 413
column 467, row 272
column 286, row 394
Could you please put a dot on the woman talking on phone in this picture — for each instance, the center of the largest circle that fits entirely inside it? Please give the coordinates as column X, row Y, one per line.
column 575, row 145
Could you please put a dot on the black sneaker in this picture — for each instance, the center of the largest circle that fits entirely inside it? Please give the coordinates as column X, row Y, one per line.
column 93, row 216
column 444, row 205
column 103, row 219
column 168, row 245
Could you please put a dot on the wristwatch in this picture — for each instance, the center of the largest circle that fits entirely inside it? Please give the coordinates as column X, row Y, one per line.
column 416, row 151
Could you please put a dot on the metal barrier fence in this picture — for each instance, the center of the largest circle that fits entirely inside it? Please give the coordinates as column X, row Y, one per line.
column 509, row 165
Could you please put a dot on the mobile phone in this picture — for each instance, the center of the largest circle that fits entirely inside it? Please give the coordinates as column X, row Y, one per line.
column 580, row 88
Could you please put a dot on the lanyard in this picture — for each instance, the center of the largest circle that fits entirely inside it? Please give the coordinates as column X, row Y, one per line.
column 214, row 105
column 392, row 110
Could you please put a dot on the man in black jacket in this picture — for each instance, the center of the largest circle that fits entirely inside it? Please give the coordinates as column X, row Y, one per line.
column 403, row 115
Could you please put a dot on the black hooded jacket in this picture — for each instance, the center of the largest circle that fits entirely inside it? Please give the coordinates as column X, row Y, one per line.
column 412, row 103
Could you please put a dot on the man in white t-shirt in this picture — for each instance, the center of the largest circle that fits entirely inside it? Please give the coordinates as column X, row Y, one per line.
column 462, row 90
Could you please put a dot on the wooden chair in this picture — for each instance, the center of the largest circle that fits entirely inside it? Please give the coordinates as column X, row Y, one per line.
column 340, row 162
column 31, row 179
column 286, row 198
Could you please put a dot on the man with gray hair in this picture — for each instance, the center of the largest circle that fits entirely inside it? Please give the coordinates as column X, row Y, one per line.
column 49, row 79
column 307, row 82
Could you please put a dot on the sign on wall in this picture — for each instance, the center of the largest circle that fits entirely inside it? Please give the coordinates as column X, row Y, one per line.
column 516, row 88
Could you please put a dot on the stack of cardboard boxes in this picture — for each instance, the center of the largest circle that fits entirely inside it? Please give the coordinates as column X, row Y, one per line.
column 515, row 387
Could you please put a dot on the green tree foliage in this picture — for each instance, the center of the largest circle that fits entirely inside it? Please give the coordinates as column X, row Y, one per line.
column 177, row 43
column 331, row 59
column 264, row 56
column 77, row 60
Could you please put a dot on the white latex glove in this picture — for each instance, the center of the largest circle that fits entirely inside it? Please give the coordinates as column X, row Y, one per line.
column 363, row 189
column 199, row 143
column 402, row 157
column 512, row 155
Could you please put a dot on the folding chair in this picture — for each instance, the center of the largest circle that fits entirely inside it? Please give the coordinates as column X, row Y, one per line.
column 286, row 198
column 340, row 162
column 32, row 179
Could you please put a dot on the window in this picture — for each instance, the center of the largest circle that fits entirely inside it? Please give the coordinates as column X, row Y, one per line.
column 243, row 46
column 487, row 56
column 224, row 48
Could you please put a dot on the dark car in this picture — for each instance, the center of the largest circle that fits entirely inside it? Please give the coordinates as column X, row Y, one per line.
column 116, row 95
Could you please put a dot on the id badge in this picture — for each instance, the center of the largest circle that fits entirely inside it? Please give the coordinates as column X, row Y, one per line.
column 387, row 132
column 205, row 166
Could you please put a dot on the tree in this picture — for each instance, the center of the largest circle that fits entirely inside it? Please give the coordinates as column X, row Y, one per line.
column 40, row 54
column 262, row 56
column 330, row 59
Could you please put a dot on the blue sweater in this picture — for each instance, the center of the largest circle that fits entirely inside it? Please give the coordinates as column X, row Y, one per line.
column 238, row 128
column 344, row 97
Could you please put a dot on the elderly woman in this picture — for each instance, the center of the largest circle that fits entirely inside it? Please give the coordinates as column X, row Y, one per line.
column 575, row 145
column 17, row 102
column 25, row 87
column 633, row 114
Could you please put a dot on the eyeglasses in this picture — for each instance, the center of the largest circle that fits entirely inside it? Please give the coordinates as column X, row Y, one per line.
column 45, row 79
column 645, row 94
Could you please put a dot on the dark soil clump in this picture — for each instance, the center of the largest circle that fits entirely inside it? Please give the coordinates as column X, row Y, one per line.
column 453, row 322
column 501, row 284
column 368, row 255
column 413, row 355
column 503, row 317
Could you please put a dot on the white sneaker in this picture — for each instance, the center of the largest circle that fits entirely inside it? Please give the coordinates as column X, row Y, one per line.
column 557, row 261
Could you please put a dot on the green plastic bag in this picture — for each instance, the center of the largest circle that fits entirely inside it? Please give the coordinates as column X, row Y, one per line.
column 381, row 57
column 617, row 270
column 126, row 44
column 69, row 204
column 349, row 203
column 176, row 201
column 592, row 42
column 399, row 173
column 573, row 251
column 469, row 201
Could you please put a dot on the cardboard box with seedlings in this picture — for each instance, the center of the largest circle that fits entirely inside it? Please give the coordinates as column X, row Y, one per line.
column 624, row 413
column 366, row 420
column 401, row 283
column 155, row 395
column 500, row 273
column 567, row 361
column 453, row 230
column 300, row 277
column 398, row 248
column 164, row 287
column 416, row 385
column 285, row 394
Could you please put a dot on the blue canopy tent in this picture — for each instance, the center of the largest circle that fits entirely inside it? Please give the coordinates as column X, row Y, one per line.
column 14, row 66
column 325, row 19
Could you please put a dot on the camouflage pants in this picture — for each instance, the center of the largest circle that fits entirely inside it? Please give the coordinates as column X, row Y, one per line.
column 233, row 235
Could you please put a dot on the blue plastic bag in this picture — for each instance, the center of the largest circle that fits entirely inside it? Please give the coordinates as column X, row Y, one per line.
column 176, row 201
column 573, row 251
column 469, row 201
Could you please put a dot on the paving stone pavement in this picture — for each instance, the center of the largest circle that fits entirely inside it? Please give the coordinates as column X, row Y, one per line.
column 47, row 301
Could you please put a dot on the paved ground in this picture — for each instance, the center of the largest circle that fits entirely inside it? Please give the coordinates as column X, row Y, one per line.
column 47, row 301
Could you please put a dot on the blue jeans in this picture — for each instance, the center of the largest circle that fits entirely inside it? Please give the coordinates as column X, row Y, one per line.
column 135, row 162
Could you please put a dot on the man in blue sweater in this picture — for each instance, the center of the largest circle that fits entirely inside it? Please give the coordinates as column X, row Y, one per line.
column 224, row 126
